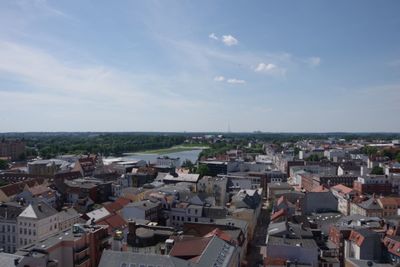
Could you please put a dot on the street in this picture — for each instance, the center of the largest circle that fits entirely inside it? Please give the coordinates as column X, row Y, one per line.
column 254, row 258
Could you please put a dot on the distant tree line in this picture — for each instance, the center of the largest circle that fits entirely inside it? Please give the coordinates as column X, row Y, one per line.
column 104, row 144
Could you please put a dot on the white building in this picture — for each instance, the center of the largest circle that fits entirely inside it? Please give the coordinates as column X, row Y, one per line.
column 8, row 226
column 37, row 221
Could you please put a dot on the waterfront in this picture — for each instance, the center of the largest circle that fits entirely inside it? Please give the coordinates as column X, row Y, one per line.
column 191, row 155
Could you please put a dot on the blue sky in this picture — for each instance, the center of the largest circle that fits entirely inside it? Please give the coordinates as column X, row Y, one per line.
column 273, row 66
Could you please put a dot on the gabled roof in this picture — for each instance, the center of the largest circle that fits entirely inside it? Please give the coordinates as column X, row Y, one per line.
column 389, row 201
column 115, row 221
column 113, row 207
column 123, row 201
column 392, row 244
column 221, row 234
column 190, row 247
column 98, row 214
column 360, row 235
column 370, row 204
column 342, row 189
column 16, row 188
column 38, row 211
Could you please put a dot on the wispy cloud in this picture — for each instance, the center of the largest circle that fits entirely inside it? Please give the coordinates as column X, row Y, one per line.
column 235, row 81
column 314, row 61
column 269, row 68
column 229, row 40
column 219, row 78
column 213, row 36
column 40, row 8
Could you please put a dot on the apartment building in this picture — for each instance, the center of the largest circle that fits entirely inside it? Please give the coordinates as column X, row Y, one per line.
column 12, row 149
column 37, row 221
column 78, row 246
column 8, row 225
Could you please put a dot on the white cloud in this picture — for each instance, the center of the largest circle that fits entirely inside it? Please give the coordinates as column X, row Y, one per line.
column 269, row 68
column 314, row 61
column 236, row 81
column 265, row 67
column 219, row 78
column 213, row 36
column 229, row 40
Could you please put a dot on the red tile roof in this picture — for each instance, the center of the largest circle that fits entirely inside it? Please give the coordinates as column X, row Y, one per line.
column 113, row 207
column 114, row 221
column 123, row 201
column 190, row 248
column 342, row 189
column 389, row 201
column 392, row 245
column 221, row 234
column 356, row 238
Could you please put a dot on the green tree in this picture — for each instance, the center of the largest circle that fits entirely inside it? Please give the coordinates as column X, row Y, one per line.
column 203, row 170
column 369, row 150
column 313, row 157
column 188, row 165
column 3, row 164
column 377, row 170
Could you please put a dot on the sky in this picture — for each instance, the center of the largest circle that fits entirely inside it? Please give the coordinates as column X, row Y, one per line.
column 210, row 65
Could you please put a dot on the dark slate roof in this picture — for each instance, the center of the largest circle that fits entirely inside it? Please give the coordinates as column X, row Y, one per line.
column 371, row 204
column 38, row 211
column 10, row 211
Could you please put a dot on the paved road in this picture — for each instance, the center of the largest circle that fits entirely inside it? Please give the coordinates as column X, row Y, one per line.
column 254, row 257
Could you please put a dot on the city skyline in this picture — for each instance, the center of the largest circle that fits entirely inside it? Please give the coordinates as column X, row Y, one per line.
column 153, row 66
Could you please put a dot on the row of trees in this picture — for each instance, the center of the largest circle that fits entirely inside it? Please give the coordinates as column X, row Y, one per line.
column 105, row 144
column 391, row 153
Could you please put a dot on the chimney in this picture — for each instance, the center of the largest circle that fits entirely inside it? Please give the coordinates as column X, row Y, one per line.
column 169, row 243
column 117, row 241
column 40, row 207
column 131, row 232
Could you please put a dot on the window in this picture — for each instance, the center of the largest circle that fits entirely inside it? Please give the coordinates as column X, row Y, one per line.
column 196, row 220
column 24, row 231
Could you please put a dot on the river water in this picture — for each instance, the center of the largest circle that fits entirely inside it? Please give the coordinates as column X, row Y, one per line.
column 191, row 155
